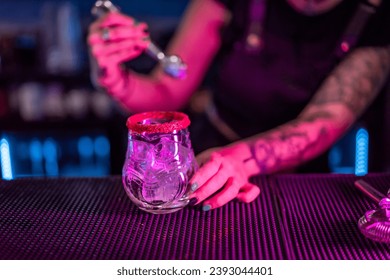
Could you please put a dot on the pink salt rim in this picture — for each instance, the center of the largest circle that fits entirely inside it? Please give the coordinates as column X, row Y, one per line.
column 175, row 121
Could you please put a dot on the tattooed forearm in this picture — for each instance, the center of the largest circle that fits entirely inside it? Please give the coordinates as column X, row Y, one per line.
column 341, row 99
column 290, row 145
column 357, row 80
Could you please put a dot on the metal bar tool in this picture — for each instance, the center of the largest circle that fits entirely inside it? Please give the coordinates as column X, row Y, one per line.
column 171, row 64
column 375, row 224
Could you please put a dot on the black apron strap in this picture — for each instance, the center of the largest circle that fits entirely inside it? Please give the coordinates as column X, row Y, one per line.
column 355, row 27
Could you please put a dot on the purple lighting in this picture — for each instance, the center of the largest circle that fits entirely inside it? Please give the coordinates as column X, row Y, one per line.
column 159, row 161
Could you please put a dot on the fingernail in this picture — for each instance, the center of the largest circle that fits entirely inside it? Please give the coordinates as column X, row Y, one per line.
column 192, row 201
column 206, row 207
column 194, row 186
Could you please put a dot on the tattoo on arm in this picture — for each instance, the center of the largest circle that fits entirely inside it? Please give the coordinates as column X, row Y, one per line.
column 353, row 85
column 287, row 146
column 357, row 80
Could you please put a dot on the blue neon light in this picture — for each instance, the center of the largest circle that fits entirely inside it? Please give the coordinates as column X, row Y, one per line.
column 361, row 154
column 6, row 167
column 51, row 157
column 85, row 147
column 102, row 146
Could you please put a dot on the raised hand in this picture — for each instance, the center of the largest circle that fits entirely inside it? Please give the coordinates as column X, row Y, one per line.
column 114, row 39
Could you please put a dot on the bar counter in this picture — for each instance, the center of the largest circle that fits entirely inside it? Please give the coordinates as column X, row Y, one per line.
column 305, row 217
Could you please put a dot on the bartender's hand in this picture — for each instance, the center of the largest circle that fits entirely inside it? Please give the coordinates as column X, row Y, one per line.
column 113, row 39
column 223, row 176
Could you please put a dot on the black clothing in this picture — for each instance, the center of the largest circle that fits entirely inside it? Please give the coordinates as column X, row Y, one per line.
column 297, row 55
column 254, row 92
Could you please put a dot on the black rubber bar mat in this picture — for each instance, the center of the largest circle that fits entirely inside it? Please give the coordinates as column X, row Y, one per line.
column 320, row 215
column 78, row 218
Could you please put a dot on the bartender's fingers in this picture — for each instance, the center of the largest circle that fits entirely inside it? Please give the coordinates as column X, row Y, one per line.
column 205, row 172
column 248, row 193
column 228, row 193
column 205, row 156
column 116, row 19
column 213, row 185
column 110, row 20
column 112, row 76
column 116, row 34
column 119, row 57
column 137, row 32
column 110, row 49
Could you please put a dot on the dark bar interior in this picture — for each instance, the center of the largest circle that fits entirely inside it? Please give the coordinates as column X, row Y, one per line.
column 53, row 120
column 65, row 143
column 46, row 92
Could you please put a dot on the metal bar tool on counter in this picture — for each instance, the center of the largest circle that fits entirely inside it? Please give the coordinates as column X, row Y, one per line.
column 171, row 64
column 375, row 224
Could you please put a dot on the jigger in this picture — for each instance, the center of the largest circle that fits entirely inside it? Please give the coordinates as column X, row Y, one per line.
column 375, row 224
column 171, row 64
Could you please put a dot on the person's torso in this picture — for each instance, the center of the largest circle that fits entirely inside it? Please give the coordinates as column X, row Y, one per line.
column 258, row 91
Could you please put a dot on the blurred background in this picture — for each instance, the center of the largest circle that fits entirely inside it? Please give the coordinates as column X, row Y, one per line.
column 53, row 122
